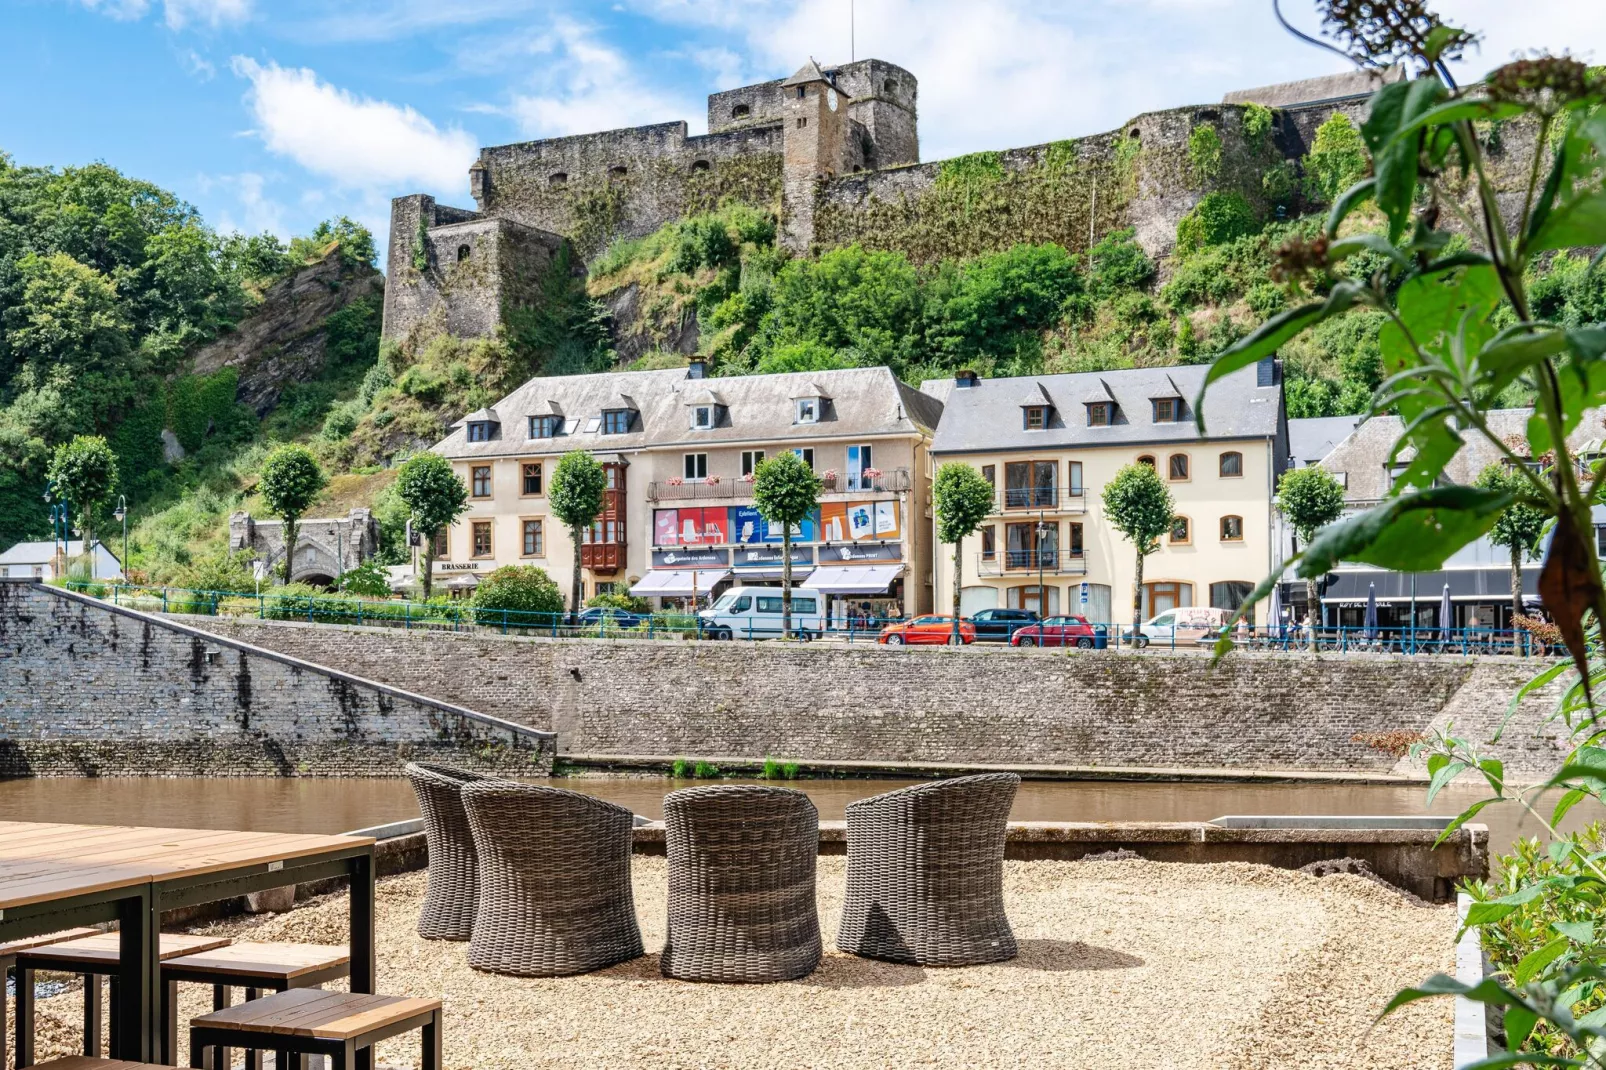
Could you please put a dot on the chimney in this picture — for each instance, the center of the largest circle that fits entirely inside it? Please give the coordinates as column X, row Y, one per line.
column 1266, row 372
column 966, row 379
column 697, row 368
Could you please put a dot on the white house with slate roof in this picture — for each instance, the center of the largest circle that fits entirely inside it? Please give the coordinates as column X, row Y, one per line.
column 1050, row 443
column 680, row 450
column 40, row 560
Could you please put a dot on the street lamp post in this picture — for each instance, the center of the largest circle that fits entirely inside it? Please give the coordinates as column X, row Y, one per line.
column 121, row 513
column 1042, row 596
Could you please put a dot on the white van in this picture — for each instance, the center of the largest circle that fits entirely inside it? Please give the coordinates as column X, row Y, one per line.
column 755, row 613
column 1179, row 627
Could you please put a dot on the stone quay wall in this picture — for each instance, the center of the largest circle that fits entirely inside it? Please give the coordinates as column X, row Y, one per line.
column 89, row 689
column 827, row 702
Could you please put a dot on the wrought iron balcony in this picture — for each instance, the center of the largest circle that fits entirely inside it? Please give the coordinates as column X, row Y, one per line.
column 1039, row 499
column 1029, row 562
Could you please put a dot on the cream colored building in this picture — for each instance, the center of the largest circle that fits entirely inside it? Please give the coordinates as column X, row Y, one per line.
column 680, row 450
column 1050, row 443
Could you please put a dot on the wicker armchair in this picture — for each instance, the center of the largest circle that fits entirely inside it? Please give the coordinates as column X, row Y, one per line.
column 925, row 873
column 448, row 912
column 741, row 884
column 554, row 869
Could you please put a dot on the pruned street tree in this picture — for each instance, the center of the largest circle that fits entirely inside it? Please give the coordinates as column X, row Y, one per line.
column 962, row 499
column 291, row 481
column 1138, row 504
column 1519, row 527
column 575, row 495
column 785, row 492
column 84, row 472
column 435, row 497
column 1310, row 498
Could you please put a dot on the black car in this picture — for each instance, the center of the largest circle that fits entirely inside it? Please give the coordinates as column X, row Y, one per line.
column 998, row 625
column 610, row 618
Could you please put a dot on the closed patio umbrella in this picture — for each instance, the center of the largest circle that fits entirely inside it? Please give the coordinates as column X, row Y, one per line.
column 1274, row 614
column 1446, row 615
column 1370, row 632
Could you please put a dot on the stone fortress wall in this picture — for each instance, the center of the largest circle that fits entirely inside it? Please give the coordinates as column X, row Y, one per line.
column 89, row 689
column 837, row 160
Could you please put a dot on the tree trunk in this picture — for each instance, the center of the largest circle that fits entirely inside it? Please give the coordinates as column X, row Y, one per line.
column 292, row 526
column 575, row 586
column 958, row 571
column 786, row 580
column 1311, row 607
column 1137, row 597
column 429, row 563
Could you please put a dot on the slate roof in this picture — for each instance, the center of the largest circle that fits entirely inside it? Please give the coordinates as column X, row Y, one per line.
column 1364, row 455
column 39, row 553
column 1312, row 438
column 759, row 408
column 987, row 416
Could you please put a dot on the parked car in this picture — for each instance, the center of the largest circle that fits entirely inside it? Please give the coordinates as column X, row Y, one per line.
column 933, row 629
column 610, row 618
column 999, row 625
column 1063, row 631
column 1178, row 627
column 755, row 613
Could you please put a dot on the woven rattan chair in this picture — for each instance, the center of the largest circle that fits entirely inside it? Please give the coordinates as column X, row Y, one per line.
column 554, row 870
column 925, row 873
column 741, row 884
column 449, row 902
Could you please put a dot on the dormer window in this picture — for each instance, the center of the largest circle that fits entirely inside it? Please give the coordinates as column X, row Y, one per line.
column 808, row 410
column 480, row 426
column 545, row 426
column 702, row 417
column 1167, row 410
column 1036, row 417
column 479, row 431
column 1100, row 413
column 617, row 421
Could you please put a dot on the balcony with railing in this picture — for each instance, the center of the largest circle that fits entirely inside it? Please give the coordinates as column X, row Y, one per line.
column 1039, row 500
column 1030, row 562
column 728, row 488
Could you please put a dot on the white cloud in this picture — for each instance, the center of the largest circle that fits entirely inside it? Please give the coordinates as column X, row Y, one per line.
column 584, row 85
column 177, row 13
column 355, row 142
column 199, row 66
column 249, row 210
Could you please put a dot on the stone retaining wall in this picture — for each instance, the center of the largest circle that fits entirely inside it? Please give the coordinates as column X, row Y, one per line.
column 88, row 689
column 982, row 706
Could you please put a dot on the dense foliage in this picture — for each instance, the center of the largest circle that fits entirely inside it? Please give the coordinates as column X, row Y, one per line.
column 515, row 590
column 1138, row 504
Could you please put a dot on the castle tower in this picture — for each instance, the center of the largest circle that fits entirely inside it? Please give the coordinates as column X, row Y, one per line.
column 815, row 143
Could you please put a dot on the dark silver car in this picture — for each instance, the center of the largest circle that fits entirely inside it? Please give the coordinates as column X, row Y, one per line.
column 999, row 625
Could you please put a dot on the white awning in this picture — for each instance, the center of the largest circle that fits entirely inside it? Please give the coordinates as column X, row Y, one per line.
column 676, row 582
column 853, row 579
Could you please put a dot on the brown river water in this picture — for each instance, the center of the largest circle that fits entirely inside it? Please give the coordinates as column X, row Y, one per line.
column 340, row 805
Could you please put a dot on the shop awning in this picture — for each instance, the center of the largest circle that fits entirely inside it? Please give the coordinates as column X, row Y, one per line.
column 677, row 582
column 1466, row 584
column 853, row 579
column 749, row 574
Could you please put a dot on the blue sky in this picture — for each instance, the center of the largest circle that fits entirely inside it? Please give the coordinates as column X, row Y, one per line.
column 273, row 114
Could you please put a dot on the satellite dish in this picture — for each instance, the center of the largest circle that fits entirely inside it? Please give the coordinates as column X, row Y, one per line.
column 830, row 99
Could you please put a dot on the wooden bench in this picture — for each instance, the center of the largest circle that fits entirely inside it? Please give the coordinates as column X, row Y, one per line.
column 307, row 1021
column 93, row 957
column 255, row 967
column 8, row 959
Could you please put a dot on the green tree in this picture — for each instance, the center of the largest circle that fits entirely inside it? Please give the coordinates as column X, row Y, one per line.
column 962, row 499
column 575, row 494
column 290, row 482
column 849, row 298
column 1309, row 498
column 785, row 491
column 1217, row 219
column 1337, row 159
column 515, row 594
column 1138, row 504
column 1520, row 526
column 355, row 240
column 998, row 303
column 801, row 357
column 367, row 579
column 85, row 474
column 434, row 498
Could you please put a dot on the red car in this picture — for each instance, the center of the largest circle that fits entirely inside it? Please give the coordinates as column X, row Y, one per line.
column 931, row 629
column 1061, row 631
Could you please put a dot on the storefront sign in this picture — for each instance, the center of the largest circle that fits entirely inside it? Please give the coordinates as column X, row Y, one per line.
column 691, row 557
column 456, row 566
column 770, row 556
column 853, row 552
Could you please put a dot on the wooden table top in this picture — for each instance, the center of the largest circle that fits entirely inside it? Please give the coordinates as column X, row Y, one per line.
column 104, row 949
column 40, row 861
column 255, row 959
column 312, row 1012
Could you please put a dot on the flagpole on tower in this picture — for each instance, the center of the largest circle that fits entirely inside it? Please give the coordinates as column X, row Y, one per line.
column 853, row 53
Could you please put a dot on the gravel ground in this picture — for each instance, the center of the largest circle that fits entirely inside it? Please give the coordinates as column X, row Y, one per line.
column 1122, row 964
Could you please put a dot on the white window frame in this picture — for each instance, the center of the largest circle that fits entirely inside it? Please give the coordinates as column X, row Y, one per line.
column 695, row 465
column 808, row 411
column 751, row 459
column 807, row 453
column 702, row 417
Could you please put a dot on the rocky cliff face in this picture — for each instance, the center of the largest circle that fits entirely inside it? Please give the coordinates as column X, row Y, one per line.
column 282, row 341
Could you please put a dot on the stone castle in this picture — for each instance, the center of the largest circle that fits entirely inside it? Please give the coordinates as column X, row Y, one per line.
column 834, row 152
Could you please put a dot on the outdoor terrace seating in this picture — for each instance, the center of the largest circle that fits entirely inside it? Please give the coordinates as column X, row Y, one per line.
column 925, row 873
column 741, row 884
column 554, row 881
column 304, row 1021
column 449, row 908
